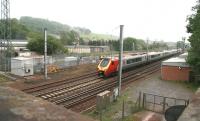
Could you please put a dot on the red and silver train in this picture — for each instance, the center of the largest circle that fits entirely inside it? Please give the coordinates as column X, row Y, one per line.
column 109, row 65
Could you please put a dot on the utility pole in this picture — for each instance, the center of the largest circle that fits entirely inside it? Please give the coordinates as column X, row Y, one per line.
column 147, row 49
column 120, row 58
column 45, row 53
column 183, row 38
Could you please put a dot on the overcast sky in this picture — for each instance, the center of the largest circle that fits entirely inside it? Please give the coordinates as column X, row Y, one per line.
column 153, row 19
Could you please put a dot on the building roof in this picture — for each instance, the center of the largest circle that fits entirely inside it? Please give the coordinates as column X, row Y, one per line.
column 175, row 60
column 85, row 46
column 181, row 62
column 21, row 58
column 184, row 55
column 16, row 43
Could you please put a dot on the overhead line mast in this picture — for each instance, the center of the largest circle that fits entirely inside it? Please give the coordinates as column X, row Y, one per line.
column 5, row 37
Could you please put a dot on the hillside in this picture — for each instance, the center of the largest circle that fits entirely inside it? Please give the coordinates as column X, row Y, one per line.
column 54, row 28
column 37, row 25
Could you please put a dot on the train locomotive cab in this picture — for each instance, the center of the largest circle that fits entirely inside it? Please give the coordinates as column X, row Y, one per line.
column 106, row 67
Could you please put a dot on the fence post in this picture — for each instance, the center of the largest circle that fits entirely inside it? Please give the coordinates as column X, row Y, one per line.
column 139, row 98
column 123, row 111
column 154, row 103
column 101, row 115
column 164, row 102
column 188, row 101
column 144, row 99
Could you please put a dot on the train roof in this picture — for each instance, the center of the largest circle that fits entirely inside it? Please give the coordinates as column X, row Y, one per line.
column 134, row 56
column 127, row 56
column 139, row 54
column 154, row 53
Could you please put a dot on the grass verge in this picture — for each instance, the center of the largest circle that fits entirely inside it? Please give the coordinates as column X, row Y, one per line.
column 114, row 110
column 3, row 78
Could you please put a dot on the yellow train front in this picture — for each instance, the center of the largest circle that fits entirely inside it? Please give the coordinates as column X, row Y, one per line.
column 107, row 66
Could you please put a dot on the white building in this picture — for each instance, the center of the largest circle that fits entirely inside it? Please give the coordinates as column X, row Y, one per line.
column 22, row 66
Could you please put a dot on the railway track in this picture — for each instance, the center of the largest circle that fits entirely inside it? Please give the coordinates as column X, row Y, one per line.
column 109, row 85
column 48, row 85
column 90, row 104
column 74, row 91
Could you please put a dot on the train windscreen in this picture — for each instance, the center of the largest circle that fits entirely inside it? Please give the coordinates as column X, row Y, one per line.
column 105, row 62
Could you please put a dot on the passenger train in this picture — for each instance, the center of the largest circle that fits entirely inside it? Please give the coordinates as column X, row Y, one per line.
column 109, row 65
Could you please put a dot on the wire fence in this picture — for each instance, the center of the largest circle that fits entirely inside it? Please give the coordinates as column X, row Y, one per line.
column 122, row 110
column 55, row 61
column 5, row 64
column 144, row 101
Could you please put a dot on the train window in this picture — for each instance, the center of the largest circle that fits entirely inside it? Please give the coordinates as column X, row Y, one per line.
column 112, row 62
column 133, row 60
column 154, row 56
column 138, row 59
column 105, row 62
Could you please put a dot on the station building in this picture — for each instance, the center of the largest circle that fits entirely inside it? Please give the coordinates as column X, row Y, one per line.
column 175, row 69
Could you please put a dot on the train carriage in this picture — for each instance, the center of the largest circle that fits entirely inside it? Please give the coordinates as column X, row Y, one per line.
column 109, row 66
column 134, row 61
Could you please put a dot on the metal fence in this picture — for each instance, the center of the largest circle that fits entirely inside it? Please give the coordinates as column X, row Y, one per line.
column 5, row 64
column 125, row 108
column 57, row 62
column 63, row 61
column 160, row 104
column 145, row 101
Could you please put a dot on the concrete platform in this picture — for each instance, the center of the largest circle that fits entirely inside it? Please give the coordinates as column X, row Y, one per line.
column 192, row 112
column 18, row 106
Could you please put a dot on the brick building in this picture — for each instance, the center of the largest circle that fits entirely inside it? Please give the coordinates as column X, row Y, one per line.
column 175, row 69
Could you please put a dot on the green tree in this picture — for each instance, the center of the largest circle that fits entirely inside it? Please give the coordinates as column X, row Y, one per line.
column 133, row 44
column 180, row 44
column 54, row 45
column 18, row 30
column 69, row 37
column 129, row 44
column 158, row 46
column 193, row 28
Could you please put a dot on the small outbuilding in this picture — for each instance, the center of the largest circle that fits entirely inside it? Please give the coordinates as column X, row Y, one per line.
column 175, row 69
column 22, row 66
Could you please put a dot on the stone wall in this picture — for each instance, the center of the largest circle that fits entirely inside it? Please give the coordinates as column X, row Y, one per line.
column 192, row 112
